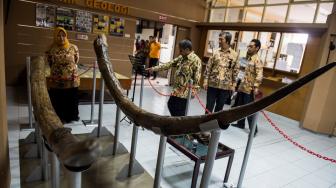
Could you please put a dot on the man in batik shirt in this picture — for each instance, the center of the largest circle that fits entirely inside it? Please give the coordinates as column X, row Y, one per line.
column 250, row 75
column 220, row 74
column 188, row 67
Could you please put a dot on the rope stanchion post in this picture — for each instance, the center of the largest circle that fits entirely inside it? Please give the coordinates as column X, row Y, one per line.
column 160, row 161
column 93, row 93
column 101, row 106
column 75, row 179
column 212, row 149
column 163, row 141
column 55, row 171
column 248, row 149
column 117, row 148
column 131, row 166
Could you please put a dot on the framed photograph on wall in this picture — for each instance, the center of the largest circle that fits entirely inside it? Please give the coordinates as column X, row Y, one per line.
column 100, row 24
column 117, row 26
column 83, row 21
column 65, row 18
column 45, row 15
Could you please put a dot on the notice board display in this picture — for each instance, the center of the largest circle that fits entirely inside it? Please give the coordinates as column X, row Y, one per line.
column 65, row 18
column 100, row 24
column 45, row 15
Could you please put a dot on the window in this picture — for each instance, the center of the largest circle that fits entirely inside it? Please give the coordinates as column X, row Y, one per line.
column 235, row 15
column 246, row 38
column 269, row 47
column 254, row 14
column 323, row 12
column 219, row 3
column 233, row 3
column 291, row 53
column 276, row 1
column 213, row 36
column 275, row 14
column 254, row 2
column 217, row 15
column 302, row 13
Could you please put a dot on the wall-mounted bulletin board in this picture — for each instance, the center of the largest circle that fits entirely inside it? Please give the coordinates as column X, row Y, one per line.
column 65, row 18
column 117, row 26
column 83, row 21
column 45, row 15
column 100, row 24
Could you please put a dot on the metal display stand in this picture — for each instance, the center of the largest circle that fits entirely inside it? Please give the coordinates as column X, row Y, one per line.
column 162, row 146
column 92, row 121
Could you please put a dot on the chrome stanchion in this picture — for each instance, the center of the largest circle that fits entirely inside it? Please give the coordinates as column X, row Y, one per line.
column 55, row 171
column 93, row 101
column 248, row 149
column 160, row 161
column 75, row 179
column 162, row 146
column 101, row 105
column 135, row 133
column 45, row 163
column 30, row 106
column 101, row 130
column 212, row 149
column 116, row 132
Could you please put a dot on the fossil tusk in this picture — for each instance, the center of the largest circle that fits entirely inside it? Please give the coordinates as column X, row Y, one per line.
column 167, row 125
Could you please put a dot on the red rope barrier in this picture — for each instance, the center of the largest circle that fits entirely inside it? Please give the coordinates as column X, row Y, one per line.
column 157, row 91
column 201, row 103
column 295, row 143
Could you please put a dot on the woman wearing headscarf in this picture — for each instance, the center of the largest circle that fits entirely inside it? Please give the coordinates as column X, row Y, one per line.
column 63, row 57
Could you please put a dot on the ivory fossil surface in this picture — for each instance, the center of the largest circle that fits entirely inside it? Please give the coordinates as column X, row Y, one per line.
column 73, row 153
column 167, row 125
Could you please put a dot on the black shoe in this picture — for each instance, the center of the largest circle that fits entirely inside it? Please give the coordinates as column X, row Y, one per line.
column 238, row 126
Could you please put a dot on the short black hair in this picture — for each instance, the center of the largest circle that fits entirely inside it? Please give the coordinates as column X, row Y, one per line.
column 185, row 44
column 227, row 36
column 256, row 43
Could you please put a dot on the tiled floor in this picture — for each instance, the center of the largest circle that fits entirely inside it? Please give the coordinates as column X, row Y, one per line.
column 273, row 162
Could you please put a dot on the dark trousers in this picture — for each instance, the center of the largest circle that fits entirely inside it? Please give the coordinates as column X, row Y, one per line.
column 177, row 106
column 65, row 103
column 152, row 63
column 241, row 99
column 218, row 97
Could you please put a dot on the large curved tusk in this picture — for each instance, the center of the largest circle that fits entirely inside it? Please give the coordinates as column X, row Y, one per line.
column 76, row 155
column 167, row 125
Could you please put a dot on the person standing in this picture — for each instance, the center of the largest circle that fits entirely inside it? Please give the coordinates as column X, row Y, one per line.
column 63, row 58
column 154, row 54
column 188, row 67
column 220, row 74
column 250, row 76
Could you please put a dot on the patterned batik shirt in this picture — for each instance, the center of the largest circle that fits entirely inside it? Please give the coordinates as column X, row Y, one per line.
column 63, row 67
column 188, row 67
column 253, row 75
column 222, row 70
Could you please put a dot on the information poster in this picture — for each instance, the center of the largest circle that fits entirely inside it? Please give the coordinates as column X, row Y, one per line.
column 100, row 24
column 83, row 21
column 45, row 15
column 117, row 26
column 65, row 18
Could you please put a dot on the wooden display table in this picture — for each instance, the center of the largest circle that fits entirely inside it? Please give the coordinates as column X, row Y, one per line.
column 198, row 152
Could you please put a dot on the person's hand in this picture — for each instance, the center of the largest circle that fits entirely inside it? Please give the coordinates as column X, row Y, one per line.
column 205, row 86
